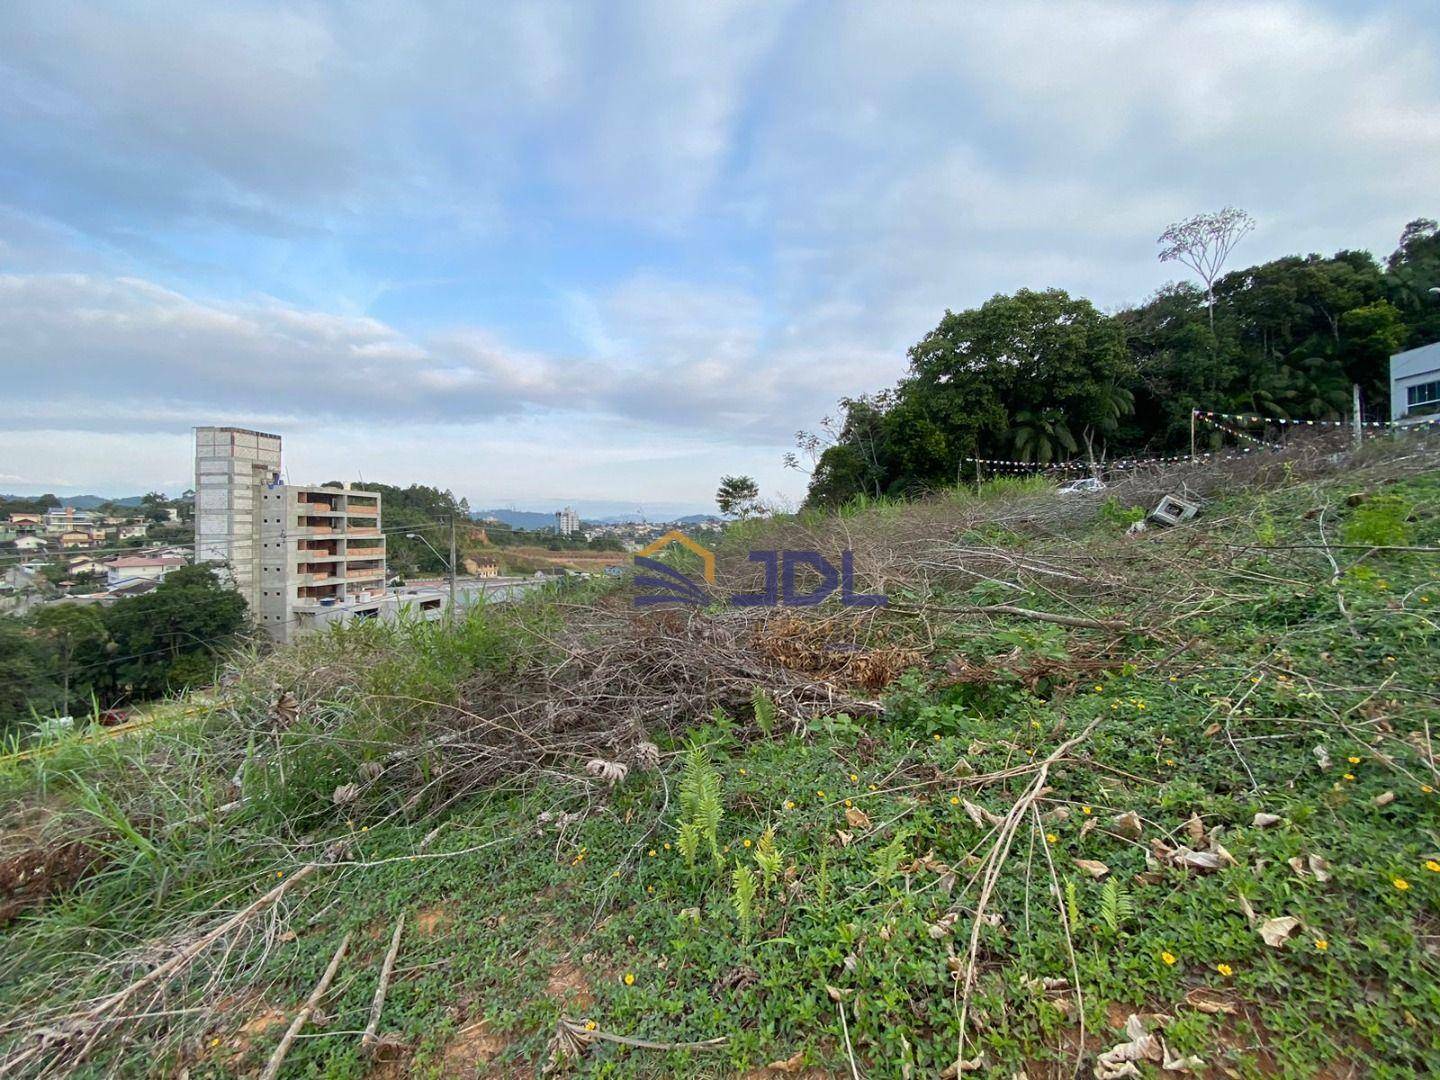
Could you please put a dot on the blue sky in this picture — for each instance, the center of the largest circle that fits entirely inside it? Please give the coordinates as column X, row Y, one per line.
column 541, row 253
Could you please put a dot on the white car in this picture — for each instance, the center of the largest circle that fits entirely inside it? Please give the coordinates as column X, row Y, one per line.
column 1087, row 486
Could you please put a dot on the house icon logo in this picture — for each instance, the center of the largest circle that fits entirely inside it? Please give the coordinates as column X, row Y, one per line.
column 670, row 584
column 782, row 583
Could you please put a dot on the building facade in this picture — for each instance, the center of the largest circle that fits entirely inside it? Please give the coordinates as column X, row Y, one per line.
column 567, row 522
column 1415, row 384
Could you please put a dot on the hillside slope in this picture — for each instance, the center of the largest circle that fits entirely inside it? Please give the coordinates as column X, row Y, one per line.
column 1074, row 799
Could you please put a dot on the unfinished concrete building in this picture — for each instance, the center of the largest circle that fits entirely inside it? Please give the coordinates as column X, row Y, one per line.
column 303, row 557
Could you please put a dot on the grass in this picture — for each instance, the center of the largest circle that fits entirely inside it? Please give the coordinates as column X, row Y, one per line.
column 845, row 849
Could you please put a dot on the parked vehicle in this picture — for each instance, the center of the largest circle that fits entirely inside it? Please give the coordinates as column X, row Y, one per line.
column 1089, row 485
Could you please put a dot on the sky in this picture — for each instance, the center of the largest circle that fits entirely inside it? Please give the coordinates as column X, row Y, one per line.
column 605, row 253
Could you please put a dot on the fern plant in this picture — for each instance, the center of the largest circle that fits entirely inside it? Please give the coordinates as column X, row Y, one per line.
column 701, row 806
column 1116, row 906
column 689, row 844
column 767, row 857
column 764, row 711
column 744, row 889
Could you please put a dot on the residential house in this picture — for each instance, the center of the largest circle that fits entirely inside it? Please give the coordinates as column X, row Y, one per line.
column 84, row 564
column 131, row 531
column 76, row 538
column 483, row 567
column 147, row 567
column 29, row 543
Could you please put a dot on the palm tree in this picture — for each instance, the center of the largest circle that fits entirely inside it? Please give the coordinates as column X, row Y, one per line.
column 1039, row 436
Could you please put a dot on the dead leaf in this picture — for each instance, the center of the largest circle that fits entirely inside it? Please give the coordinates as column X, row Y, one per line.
column 794, row 1063
column 1277, row 931
column 1211, row 731
column 979, row 815
column 1086, row 826
column 844, row 837
column 345, row 794
column 857, row 818
column 1320, row 868
column 1210, row 1001
column 1128, row 824
column 1264, row 821
column 1093, row 867
column 960, row 1065
column 838, row 993
column 1322, row 756
column 1140, row 1045
column 1384, row 798
column 1200, row 861
column 943, row 927
column 1196, row 830
column 1246, row 909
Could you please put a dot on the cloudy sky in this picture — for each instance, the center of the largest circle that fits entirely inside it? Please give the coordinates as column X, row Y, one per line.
column 605, row 252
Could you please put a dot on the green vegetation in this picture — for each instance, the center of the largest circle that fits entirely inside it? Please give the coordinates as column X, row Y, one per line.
column 1044, row 376
column 72, row 658
column 1212, row 797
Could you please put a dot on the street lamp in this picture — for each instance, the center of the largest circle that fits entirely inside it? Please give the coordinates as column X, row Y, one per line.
column 450, row 563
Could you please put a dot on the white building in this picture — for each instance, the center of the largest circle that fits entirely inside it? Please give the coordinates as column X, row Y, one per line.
column 1415, row 384
column 146, row 567
column 567, row 522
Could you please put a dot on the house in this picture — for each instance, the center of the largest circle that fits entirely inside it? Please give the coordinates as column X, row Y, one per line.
column 149, row 567
column 34, row 521
column 134, row 586
column 84, row 564
column 1415, row 385
column 483, row 567
column 29, row 543
column 75, row 538
column 131, row 531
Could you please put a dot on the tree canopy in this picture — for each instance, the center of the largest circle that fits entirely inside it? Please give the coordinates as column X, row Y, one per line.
column 1043, row 376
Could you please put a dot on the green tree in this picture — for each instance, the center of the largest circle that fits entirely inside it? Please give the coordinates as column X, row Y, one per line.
column 737, row 495
column 1041, row 436
column 80, row 647
column 27, row 679
column 169, row 638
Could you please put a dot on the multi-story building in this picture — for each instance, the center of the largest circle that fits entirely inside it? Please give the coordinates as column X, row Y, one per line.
column 303, row 557
column 1415, row 385
column 567, row 522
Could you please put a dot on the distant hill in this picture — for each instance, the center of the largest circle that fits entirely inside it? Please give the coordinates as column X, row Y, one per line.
column 86, row 502
column 517, row 519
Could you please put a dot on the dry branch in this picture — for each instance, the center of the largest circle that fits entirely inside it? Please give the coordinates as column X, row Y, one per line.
column 272, row 1068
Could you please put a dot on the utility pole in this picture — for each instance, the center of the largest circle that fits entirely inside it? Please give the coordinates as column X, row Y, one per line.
column 453, row 566
column 1355, row 406
column 1193, row 413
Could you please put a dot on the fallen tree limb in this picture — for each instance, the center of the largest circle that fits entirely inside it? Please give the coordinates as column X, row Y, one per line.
column 272, row 1069
column 369, row 1040
column 1030, row 613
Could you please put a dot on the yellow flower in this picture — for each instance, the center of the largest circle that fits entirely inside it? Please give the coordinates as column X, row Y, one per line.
column 1432, row 866
column 854, row 778
column 1353, row 760
column 873, row 787
column 1169, row 761
column 1099, row 688
column 744, row 773
column 746, row 842
column 215, row 1041
column 651, row 853
column 1349, row 776
column 820, row 794
column 629, row 978
column 848, row 803
column 1168, row 957
column 937, row 738
column 667, row 845
column 279, row 873
column 650, row 888
column 1400, row 883
column 1426, row 788
column 1225, row 969
column 954, row 800
column 1321, row 944
column 589, row 1025
column 1085, row 810
column 1051, row 838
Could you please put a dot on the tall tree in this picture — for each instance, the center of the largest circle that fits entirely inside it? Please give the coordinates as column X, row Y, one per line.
column 1203, row 243
column 737, row 495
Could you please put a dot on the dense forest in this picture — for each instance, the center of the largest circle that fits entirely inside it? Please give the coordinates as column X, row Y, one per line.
column 1042, row 376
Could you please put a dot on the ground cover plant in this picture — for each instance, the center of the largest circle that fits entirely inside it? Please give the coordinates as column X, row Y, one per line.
column 1079, row 799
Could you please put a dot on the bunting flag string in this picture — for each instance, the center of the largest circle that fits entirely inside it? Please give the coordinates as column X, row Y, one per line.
column 1250, row 418
column 1118, row 463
